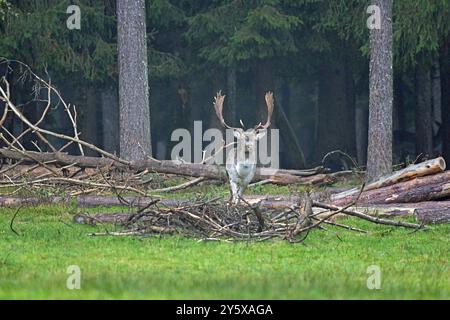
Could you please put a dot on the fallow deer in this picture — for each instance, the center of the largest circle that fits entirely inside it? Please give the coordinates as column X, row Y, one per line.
column 241, row 161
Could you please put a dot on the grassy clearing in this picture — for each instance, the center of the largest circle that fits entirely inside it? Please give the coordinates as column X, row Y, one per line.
column 331, row 265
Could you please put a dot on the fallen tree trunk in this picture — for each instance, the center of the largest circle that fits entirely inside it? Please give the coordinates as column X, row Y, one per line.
column 36, row 170
column 403, row 209
column 434, row 187
column 433, row 215
column 281, row 176
column 85, row 201
column 426, row 168
column 364, row 216
column 137, row 202
column 64, row 159
column 428, row 212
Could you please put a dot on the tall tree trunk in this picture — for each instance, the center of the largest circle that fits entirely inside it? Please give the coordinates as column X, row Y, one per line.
column 423, row 116
column 445, row 97
column 135, row 138
column 336, row 118
column 110, row 117
column 379, row 150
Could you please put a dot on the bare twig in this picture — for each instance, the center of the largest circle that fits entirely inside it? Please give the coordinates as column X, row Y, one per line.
column 12, row 221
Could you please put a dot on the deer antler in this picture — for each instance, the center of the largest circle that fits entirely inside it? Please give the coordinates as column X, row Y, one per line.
column 270, row 105
column 218, row 106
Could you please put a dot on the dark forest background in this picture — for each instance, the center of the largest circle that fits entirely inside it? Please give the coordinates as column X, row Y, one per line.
column 314, row 55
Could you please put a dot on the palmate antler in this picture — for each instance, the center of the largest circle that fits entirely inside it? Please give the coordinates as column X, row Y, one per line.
column 218, row 106
column 270, row 105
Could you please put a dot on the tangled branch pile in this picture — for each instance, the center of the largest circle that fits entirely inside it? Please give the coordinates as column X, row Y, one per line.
column 214, row 221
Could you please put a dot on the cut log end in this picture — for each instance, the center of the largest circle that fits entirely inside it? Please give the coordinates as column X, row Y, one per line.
column 441, row 163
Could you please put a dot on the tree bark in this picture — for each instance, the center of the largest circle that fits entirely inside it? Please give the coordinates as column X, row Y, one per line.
column 434, row 187
column 424, row 212
column 413, row 171
column 428, row 212
column 135, row 139
column 423, row 116
column 379, row 151
column 433, row 215
column 282, row 177
column 87, row 201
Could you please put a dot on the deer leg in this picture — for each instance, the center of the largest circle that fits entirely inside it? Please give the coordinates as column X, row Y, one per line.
column 240, row 192
column 230, row 188
column 234, row 192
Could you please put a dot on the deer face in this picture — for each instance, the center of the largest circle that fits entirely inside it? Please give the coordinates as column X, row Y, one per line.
column 247, row 140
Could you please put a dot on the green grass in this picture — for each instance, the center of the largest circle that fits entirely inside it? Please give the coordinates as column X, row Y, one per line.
column 331, row 264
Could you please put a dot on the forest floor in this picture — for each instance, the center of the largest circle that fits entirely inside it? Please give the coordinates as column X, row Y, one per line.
column 331, row 264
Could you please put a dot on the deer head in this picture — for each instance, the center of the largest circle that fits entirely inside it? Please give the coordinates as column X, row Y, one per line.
column 246, row 139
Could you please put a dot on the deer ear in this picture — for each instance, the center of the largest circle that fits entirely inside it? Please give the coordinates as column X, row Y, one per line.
column 260, row 134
